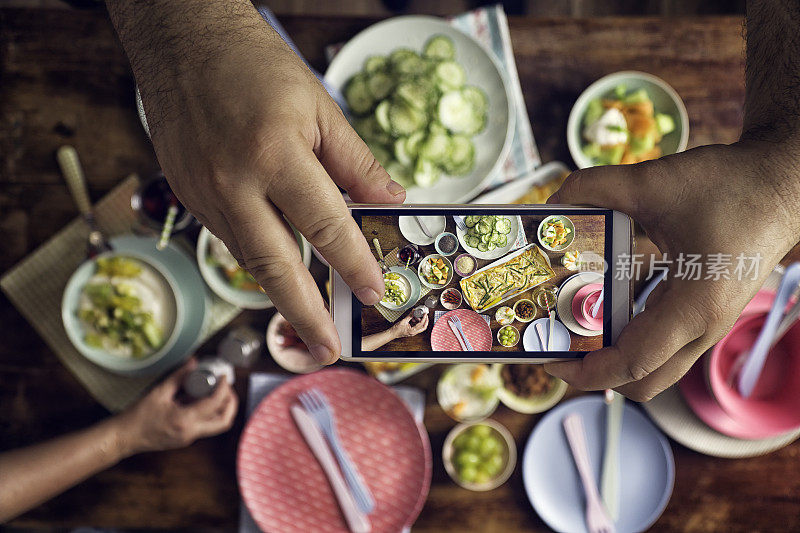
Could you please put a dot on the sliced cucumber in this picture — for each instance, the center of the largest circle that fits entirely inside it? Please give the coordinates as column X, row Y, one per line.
column 435, row 148
column 457, row 115
column 469, row 221
column 410, row 65
column 413, row 143
column 426, row 173
column 476, row 98
column 404, row 119
column 503, row 241
column 358, row 96
column 462, row 156
column 382, row 116
column 450, row 75
column 380, row 85
column 375, row 64
column 439, row 47
column 401, row 153
column 483, row 247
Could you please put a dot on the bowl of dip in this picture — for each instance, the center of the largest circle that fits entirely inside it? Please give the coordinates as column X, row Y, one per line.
column 465, row 265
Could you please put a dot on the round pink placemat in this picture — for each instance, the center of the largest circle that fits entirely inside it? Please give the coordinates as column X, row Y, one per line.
column 475, row 329
column 284, row 486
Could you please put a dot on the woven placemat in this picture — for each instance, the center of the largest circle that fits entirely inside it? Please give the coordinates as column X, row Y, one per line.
column 35, row 286
column 391, row 259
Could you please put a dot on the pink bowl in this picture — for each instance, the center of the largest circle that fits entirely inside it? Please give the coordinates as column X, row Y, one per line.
column 774, row 406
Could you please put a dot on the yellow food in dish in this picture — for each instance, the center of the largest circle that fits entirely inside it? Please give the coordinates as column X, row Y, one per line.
column 487, row 288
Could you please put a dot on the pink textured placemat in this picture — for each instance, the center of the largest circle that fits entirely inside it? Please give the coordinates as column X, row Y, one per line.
column 284, row 486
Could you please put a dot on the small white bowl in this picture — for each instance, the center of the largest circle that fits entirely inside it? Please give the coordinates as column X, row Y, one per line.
column 450, row 306
column 665, row 100
column 510, row 455
column 567, row 223
column 218, row 283
column 174, row 316
column 432, row 285
column 407, row 284
column 505, row 345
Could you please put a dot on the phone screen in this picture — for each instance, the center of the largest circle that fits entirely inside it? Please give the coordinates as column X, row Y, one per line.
column 487, row 282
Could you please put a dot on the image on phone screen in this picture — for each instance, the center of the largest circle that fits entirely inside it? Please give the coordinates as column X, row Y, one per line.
column 507, row 282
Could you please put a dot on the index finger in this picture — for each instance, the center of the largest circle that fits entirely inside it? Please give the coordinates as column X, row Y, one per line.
column 645, row 344
column 313, row 204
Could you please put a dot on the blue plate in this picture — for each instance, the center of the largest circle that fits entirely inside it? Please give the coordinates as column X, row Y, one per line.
column 561, row 339
column 647, row 468
column 192, row 289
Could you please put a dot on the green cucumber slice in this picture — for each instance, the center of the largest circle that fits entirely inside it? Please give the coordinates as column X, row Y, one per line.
column 426, row 173
column 450, row 74
column 380, row 85
column 435, row 147
column 382, row 116
column 404, row 119
column 413, row 143
column 439, row 47
column 358, row 96
column 400, row 152
column 375, row 64
column 476, row 98
column 457, row 115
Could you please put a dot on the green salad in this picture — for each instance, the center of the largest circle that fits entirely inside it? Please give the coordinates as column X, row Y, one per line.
column 416, row 113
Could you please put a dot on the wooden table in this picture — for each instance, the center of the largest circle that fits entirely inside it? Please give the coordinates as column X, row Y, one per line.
column 64, row 79
column 589, row 237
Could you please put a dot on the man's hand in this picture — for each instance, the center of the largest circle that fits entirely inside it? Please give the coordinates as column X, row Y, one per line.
column 159, row 422
column 246, row 136
column 737, row 199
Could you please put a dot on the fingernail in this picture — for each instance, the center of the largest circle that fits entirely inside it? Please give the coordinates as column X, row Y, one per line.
column 367, row 295
column 321, row 353
column 394, row 188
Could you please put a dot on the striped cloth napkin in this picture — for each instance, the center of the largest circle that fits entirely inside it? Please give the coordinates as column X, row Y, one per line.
column 489, row 27
column 391, row 259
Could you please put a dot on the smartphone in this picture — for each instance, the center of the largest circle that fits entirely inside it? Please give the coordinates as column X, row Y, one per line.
column 495, row 283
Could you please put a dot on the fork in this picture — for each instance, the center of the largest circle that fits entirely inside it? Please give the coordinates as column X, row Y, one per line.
column 460, row 223
column 315, row 402
column 597, row 518
column 457, row 322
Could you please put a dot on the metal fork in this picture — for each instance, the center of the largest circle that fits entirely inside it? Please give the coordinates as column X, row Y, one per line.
column 597, row 519
column 460, row 223
column 457, row 322
column 315, row 402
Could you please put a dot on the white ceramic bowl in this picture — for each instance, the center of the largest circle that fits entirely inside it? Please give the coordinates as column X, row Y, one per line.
column 431, row 285
column 510, row 455
column 567, row 224
column 174, row 313
column 406, row 283
column 665, row 100
column 218, row 283
column 491, row 145
column 530, row 406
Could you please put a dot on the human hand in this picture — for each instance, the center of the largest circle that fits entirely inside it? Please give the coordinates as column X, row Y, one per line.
column 403, row 328
column 736, row 199
column 159, row 422
column 246, row 136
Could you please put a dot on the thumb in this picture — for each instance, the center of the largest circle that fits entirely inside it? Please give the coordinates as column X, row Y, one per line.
column 349, row 162
column 612, row 187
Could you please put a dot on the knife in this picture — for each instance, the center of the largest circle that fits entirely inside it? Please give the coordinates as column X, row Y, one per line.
column 458, row 337
column 423, row 227
column 357, row 521
column 609, row 477
column 464, row 336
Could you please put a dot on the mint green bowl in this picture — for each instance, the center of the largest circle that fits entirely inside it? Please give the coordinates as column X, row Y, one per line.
column 665, row 100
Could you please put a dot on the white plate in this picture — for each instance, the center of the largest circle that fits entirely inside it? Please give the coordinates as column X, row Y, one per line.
column 413, row 233
column 491, row 145
column 566, row 292
column 496, row 253
column 561, row 338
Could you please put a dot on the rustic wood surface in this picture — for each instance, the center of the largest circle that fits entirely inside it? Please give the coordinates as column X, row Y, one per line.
column 589, row 237
column 64, row 79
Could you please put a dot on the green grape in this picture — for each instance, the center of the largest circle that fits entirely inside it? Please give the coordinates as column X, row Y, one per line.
column 460, row 442
column 472, row 443
column 490, row 446
column 466, row 458
column 494, row 464
column 468, row 474
column 481, row 430
column 482, row 476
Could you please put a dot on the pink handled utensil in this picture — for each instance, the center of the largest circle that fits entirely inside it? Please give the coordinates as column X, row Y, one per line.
column 597, row 519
